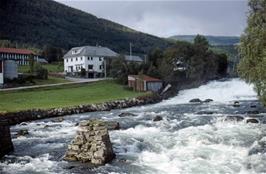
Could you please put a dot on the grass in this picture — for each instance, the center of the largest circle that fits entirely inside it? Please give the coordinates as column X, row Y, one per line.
column 56, row 67
column 50, row 80
column 63, row 96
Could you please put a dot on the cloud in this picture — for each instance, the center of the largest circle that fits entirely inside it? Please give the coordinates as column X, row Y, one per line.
column 166, row 18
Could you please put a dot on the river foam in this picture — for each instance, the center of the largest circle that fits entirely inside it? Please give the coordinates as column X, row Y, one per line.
column 219, row 91
column 185, row 141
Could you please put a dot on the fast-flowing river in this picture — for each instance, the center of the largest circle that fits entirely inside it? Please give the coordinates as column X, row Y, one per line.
column 191, row 138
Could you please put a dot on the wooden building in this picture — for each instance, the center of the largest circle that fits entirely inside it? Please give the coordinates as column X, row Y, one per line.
column 144, row 83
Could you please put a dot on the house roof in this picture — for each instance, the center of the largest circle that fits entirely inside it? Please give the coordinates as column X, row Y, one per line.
column 90, row 51
column 15, row 51
column 146, row 78
column 133, row 58
column 42, row 60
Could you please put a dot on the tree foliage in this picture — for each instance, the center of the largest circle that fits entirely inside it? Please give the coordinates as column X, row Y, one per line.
column 252, row 66
column 198, row 61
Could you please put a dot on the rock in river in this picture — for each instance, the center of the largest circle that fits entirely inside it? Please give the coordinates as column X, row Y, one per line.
column 91, row 144
column 236, row 104
column 157, row 118
column 208, row 100
column 22, row 132
column 252, row 120
column 195, row 100
column 126, row 114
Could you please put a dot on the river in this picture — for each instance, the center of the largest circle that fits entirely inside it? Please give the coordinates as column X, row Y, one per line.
column 188, row 140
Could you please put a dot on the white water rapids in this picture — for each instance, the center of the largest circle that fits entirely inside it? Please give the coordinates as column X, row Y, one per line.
column 184, row 142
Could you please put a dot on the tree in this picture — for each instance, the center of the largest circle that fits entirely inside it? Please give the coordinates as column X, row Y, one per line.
column 201, row 43
column 31, row 63
column 252, row 66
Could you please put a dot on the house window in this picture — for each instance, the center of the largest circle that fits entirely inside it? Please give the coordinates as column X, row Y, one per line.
column 66, row 60
column 101, row 66
column 88, row 58
column 80, row 58
column 71, row 60
column 91, row 58
column 76, row 59
column 90, row 66
column 100, row 59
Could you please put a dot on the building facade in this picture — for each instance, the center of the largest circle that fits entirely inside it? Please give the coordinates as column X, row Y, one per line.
column 21, row 56
column 144, row 83
column 90, row 58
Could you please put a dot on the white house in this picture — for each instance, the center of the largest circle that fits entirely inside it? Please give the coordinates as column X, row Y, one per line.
column 90, row 58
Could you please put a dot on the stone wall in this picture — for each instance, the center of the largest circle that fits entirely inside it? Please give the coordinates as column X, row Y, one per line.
column 34, row 114
column 92, row 144
column 6, row 144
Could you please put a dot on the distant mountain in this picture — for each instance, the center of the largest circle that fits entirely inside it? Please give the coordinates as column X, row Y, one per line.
column 46, row 22
column 213, row 40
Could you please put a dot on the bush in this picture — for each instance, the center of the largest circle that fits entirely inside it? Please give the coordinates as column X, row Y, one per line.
column 40, row 72
column 83, row 72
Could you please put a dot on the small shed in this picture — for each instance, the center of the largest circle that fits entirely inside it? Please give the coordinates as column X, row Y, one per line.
column 8, row 70
column 144, row 83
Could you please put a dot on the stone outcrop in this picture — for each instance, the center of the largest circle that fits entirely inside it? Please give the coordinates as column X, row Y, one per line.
column 6, row 144
column 34, row 114
column 92, row 144
column 195, row 100
column 157, row 118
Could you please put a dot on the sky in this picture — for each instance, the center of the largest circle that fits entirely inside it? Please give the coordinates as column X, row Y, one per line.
column 172, row 17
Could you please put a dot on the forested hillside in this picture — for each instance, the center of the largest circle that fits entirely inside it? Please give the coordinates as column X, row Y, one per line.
column 213, row 40
column 46, row 22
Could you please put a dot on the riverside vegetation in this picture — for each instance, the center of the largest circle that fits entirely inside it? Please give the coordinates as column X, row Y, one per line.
column 252, row 48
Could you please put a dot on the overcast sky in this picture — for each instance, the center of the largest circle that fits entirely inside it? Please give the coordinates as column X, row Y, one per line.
column 167, row 18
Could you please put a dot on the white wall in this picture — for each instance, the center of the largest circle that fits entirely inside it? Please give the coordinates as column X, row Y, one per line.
column 84, row 61
column 2, row 73
column 1, row 78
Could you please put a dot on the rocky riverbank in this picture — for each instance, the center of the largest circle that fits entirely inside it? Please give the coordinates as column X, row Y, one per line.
column 34, row 114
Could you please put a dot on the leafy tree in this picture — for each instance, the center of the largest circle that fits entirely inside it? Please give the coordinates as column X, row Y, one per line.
column 31, row 63
column 252, row 66
column 201, row 43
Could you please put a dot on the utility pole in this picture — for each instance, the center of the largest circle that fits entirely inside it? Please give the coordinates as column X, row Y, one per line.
column 130, row 50
column 104, row 60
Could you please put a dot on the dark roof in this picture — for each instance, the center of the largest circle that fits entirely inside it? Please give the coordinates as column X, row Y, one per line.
column 146, row 78
column 133, row 58
column 90, row 51
column 15, row 51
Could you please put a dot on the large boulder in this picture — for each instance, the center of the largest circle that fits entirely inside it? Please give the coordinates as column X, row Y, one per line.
column 236, row 104
column 234, row 118
column 92, row 144
column 195, row 100
column 126, row 114
column 157, row 118
column 208, row 100
column 22, row 132
column 252, row 120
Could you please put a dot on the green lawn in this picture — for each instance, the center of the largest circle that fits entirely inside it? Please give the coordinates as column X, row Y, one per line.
column 50, row 80
column 67, row 95
column 56, row 67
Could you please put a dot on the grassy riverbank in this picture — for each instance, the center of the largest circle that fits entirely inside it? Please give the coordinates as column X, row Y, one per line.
column 63, row 96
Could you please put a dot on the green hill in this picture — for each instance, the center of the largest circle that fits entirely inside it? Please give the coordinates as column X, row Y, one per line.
column 213, row 40
column 46, row 22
